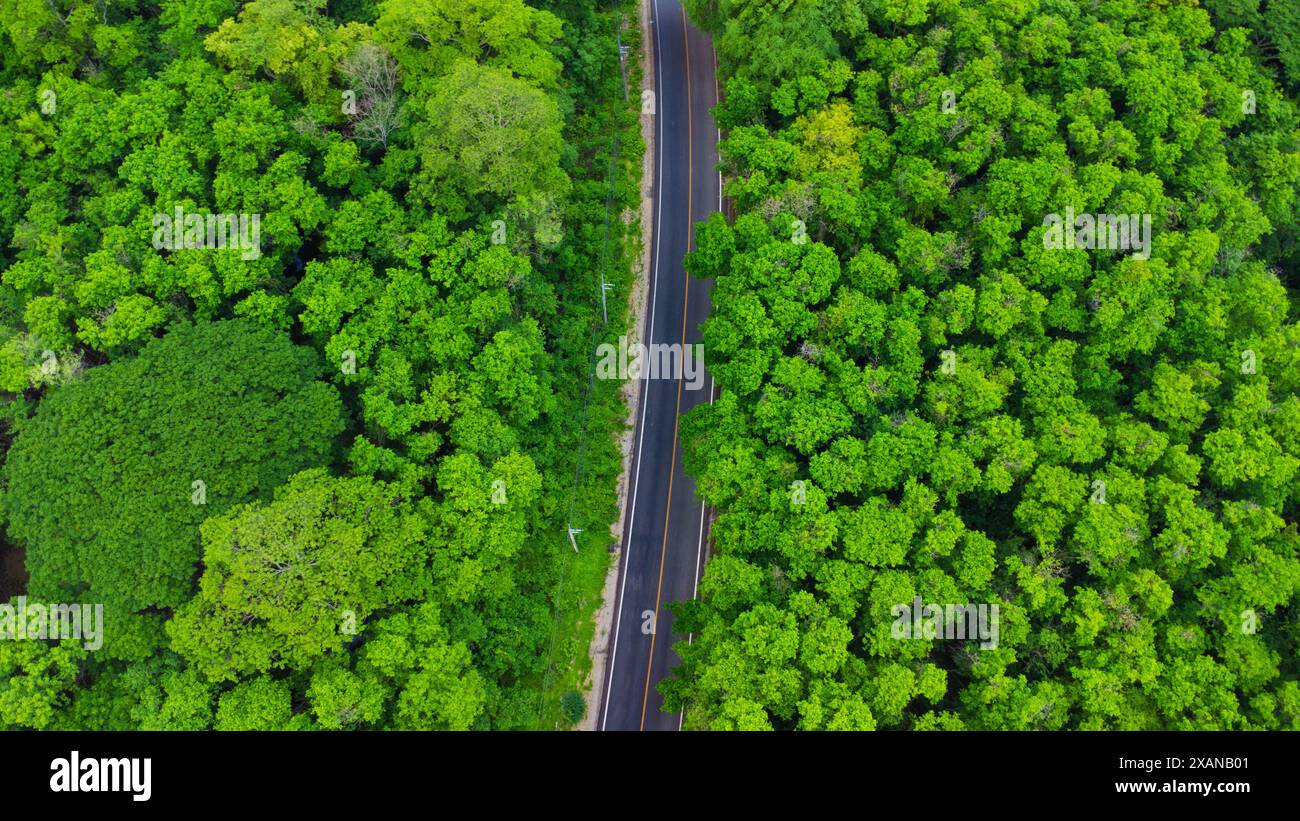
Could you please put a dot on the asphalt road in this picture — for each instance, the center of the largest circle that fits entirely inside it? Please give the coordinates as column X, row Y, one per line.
column 663, row 537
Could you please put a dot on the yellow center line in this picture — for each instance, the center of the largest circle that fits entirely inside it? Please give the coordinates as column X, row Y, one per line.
column 672, row 464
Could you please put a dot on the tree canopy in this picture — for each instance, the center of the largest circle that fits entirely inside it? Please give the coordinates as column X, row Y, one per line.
column 319, row 468
column 108, row 482
column 923, row 398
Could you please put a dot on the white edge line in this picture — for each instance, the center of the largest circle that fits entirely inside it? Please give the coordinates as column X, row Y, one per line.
column 699, row 554
column 625, row 557
column 699, row 548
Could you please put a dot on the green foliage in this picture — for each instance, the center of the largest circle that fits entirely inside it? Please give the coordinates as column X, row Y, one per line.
column 1101, row 445
column 438, row 265
column 573, row 707
column 107, row 484
column 287, row 582
column 429, row 38
column 36, row 680
column 259, row 704
column 491, row 137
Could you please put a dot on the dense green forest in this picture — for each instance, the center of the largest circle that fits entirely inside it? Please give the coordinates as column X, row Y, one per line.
column 927, row 395
column 298, row 305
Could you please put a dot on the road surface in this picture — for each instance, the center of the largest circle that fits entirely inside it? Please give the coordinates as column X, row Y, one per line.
column 663, row 536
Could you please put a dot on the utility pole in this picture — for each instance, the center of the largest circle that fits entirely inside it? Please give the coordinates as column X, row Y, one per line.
column 604, row 288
